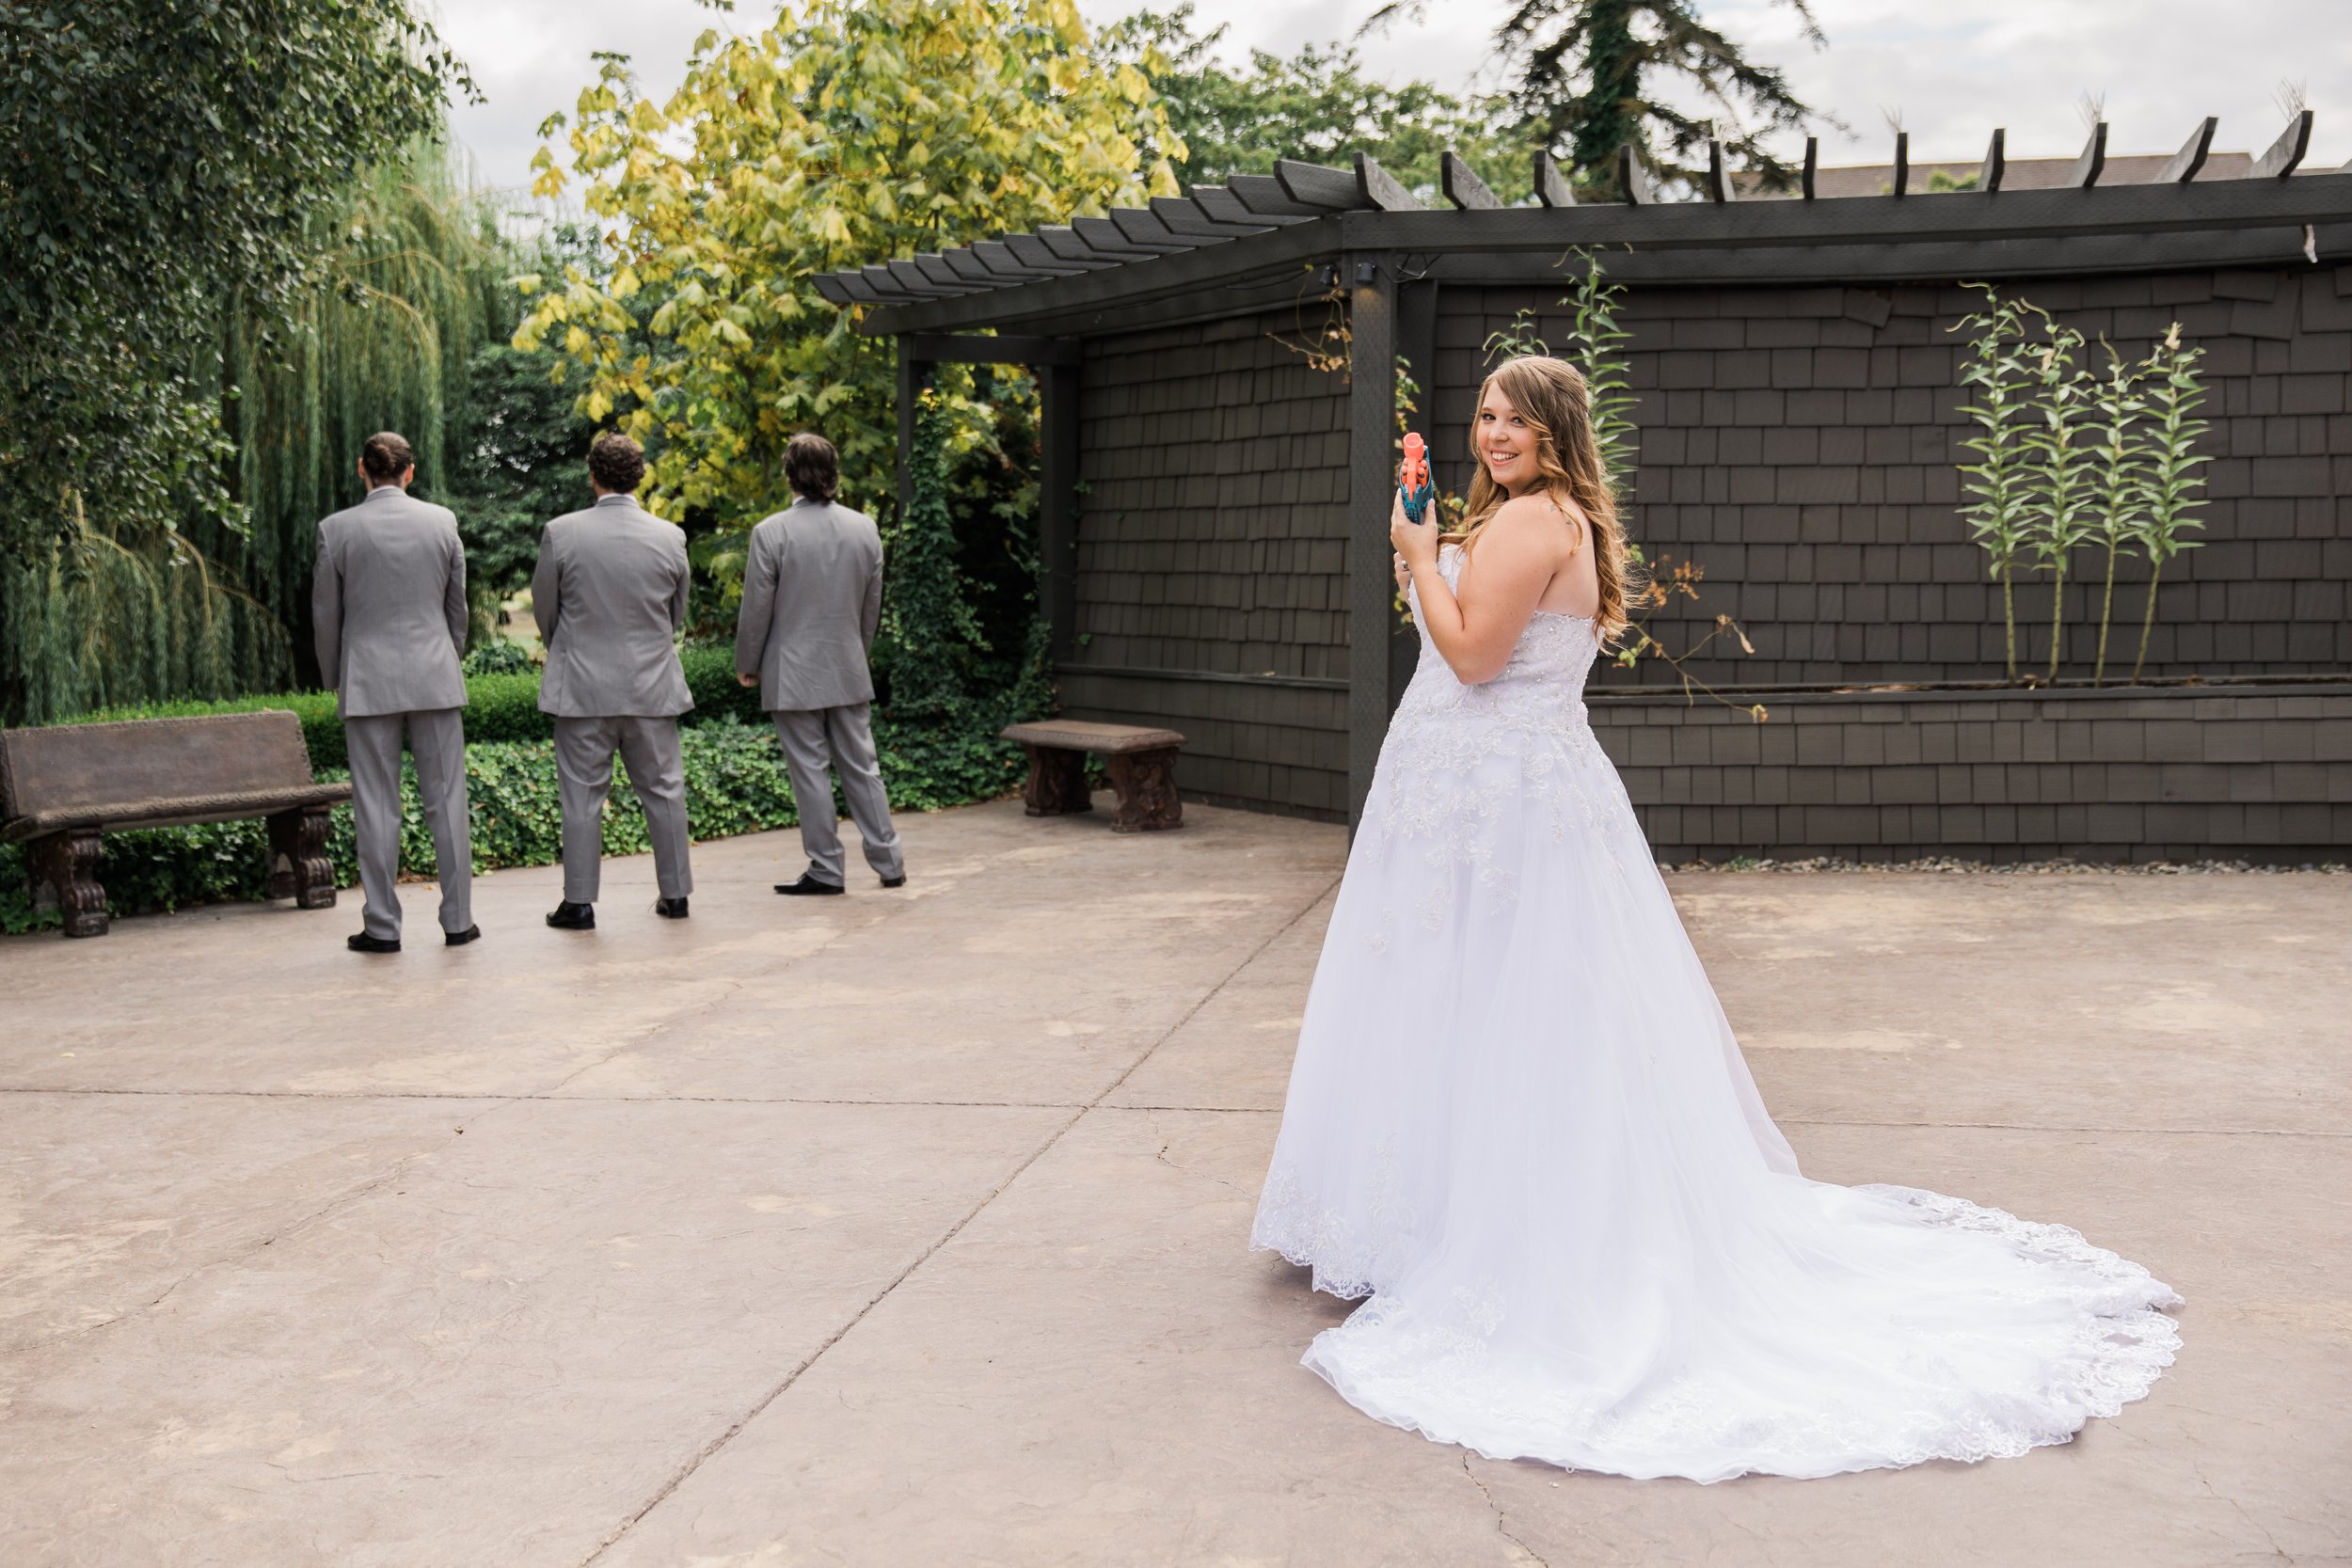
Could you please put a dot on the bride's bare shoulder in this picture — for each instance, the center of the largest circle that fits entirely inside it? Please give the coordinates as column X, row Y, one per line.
column 1540, row 520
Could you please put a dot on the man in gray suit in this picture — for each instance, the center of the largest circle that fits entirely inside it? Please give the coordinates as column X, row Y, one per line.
column 609, row 598
column 812, row 595
column 388, row 601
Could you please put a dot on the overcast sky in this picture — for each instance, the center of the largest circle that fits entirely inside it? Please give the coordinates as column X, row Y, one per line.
column 1951, row 68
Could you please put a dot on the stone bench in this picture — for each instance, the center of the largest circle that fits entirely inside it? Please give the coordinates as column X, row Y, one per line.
column 63, row 786
column 1141, row 763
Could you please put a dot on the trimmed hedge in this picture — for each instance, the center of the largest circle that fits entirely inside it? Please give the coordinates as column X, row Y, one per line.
column 736, row 782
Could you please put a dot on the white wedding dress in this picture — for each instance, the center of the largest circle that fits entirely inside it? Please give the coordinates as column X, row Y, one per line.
column 1518, row 1123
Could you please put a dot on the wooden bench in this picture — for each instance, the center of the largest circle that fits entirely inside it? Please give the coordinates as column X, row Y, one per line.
column 63, row 785
column 1141, row 763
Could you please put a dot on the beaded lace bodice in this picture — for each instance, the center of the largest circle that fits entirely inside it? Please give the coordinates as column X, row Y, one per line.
column 1543, row 684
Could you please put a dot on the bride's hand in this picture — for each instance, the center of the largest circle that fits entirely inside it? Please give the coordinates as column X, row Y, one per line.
column 1404, row 573
column 1416, row 543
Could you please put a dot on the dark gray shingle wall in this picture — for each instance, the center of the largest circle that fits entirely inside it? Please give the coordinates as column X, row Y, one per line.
column 1799, row 444
column 2001, row 776
column 1212, row 538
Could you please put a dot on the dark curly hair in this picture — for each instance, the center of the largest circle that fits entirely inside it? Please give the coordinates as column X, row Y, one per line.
column 616, row 463
column 387, row 457
column 812, row 468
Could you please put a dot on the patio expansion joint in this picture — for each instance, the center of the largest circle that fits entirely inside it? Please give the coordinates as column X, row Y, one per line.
column 709, row 1450
column 491, row 1100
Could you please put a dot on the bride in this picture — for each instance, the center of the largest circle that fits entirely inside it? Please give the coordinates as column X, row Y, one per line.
column 1519, row 1124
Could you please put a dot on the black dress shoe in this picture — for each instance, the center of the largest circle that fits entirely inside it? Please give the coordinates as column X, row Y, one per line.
column 568, row 916
column 459, row 939
column 899, row 880
column 809, row 887
column 359, row 941
column 669, row 908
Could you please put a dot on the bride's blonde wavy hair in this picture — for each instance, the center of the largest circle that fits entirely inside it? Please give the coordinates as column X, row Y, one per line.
column 1550, row 396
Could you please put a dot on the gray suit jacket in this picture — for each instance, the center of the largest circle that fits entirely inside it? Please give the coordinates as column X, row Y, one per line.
column 609, row 598
column 812, row 597
column 387, row 605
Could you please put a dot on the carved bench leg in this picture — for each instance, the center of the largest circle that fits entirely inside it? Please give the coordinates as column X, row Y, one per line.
column 65, row 870
column 299, row 868
column 1057, row 782
column 1146, row 781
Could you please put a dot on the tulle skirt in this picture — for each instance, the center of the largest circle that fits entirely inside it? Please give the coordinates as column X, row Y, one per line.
column 1521, row 1125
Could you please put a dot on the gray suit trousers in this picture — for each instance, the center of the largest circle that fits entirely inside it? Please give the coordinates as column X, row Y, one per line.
column 438, row 740
column 841, row 738
column 656, row 771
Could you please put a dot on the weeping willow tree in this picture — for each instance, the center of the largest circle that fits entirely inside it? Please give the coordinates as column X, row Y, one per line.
column 104, row 617
column 408, row 286
column 405, row 285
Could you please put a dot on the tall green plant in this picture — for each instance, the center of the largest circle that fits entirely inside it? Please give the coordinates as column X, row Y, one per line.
column 2170, row 480
column 2116, row 521
column 1596, row 346
column 2062, row 466
column 1997, row 483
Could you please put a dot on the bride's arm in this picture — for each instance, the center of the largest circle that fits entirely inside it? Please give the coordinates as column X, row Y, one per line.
column 1519, row 551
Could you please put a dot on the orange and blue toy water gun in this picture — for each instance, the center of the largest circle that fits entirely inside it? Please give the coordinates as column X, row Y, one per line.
column 1412, row 479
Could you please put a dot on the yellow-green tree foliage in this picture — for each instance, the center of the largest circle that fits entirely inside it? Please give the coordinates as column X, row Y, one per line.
column 844, row 134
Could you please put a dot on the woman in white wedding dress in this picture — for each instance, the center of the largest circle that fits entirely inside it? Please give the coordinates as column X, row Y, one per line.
column 1519, row 1124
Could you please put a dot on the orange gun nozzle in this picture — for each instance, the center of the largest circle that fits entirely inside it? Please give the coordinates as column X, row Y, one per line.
column 1412, row 479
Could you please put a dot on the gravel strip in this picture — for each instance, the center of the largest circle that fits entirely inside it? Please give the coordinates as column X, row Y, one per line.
column 1823, row 864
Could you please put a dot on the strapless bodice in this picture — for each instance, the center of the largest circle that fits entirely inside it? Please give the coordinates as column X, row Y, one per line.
column 1543, row 682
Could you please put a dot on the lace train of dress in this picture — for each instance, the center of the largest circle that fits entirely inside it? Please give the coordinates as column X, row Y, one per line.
column 1520, row 1124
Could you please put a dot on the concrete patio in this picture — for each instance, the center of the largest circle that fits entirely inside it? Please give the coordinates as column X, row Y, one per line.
column 908, row 1228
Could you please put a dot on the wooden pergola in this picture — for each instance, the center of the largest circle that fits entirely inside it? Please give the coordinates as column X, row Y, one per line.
column 1243, row 246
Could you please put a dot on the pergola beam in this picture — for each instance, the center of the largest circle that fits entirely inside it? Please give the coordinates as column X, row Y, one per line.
column 1193, row 215
column 965, row 348
column 1376, row 187
column 1329, row 190
column 2184, row 164
column 1031, row 250
column 1264, row 194
column 1071, row 246
column 1461, row 184
column 1551, row 187
column 2286, row 154
column 1719, row 186
column 1144, row 225
column 2091, row 161
column 999, row 256
column 1996, row 163
column 1633, row 181
column 1109, row 239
